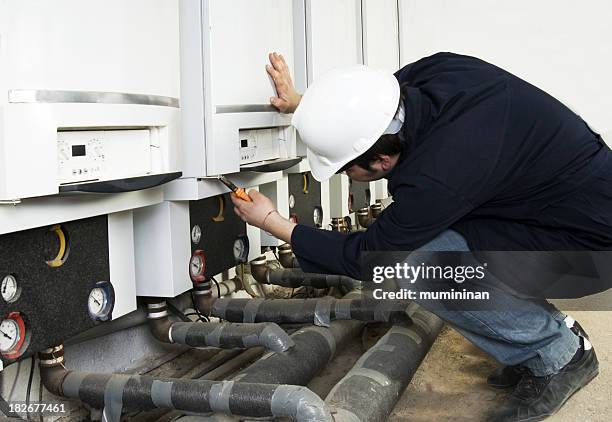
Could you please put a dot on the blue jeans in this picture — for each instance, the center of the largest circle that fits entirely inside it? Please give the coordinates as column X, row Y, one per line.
column 527, row 332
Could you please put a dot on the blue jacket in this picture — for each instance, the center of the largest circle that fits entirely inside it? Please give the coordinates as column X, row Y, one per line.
column 488, row 155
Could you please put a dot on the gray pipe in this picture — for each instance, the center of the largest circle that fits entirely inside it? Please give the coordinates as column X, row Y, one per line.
column 319, row 311
column 370, row 390
column 228, row 335
column 293, row 277
column 113, row 393
column 223, row 335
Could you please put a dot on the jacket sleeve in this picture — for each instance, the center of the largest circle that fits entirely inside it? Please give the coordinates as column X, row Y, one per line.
column 422, row 209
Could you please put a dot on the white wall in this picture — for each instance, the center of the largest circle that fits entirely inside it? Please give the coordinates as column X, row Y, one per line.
column 561, row 46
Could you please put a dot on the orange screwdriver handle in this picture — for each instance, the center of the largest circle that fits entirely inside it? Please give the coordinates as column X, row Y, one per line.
column 242, row 194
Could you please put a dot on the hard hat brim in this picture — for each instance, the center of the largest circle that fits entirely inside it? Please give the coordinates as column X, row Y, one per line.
column 322, row 171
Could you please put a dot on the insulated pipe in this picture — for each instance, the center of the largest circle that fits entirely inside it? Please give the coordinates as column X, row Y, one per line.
column 370, row 390
column 114, row 392
column 319, row 311
column 223, row 335
column 297, row 278
column 314, row 348
column 294, row 277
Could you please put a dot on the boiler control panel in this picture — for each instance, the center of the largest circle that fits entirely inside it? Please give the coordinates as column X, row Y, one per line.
column 105, row 154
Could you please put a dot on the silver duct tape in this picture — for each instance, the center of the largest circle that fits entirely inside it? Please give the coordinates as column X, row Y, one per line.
column 375, row 376
column 407, row 332
column 344, row 415
column 113, row 398
column 322, row 311
column 249, row 313
column 423, row 325
column 72, row 384
column 299, row 403
column 161, row 394
column 214, row 337
column 178, row 333
column 342, row 308
column 219, row 396
column 252, row 340
column 219, row 307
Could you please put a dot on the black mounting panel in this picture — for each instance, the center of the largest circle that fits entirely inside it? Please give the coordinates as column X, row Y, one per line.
column 53, row 300
column 306, row 200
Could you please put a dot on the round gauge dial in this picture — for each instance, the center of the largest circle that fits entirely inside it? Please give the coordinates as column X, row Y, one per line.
column 317, row 216
column 241, row 249
column 197, row 266
column 196, row 234
column 9, row 335
column 12, row 336
column 9, row 289
column 291, row 201
column 97, row 300
column 100, row 301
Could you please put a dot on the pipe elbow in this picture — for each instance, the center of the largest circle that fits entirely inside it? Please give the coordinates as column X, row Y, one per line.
column 300, row 404
column 159, row 323
column 52, row 371
column 286, row 257
column 274, row 338
column 259, row 270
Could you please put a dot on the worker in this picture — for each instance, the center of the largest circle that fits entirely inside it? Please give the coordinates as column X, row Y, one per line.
column 476, row 159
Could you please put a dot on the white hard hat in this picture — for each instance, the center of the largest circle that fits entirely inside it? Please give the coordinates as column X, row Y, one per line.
column 343, row 114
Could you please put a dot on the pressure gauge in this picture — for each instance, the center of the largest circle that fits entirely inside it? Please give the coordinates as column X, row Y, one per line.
column 12, row 336
column 9, row 288
column 291, row 201
column 241, row 249
column 317, row 216
column 197, row 266
column 100, row 302
column 196, row 234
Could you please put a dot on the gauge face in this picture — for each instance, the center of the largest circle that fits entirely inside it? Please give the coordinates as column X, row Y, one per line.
column 10, row 335
column 241, row 249
column 97, row 301
column 196, row 234
column 291, row 201
column 101, row 300
column 9, row 288
column 317, row 216
column 197, row 266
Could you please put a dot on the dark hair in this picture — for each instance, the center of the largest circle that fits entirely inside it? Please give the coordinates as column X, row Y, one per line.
column 386, row 145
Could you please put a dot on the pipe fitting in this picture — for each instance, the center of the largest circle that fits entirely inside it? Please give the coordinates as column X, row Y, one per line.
column 286, row 257
column 363, row 217
column 259, row 269
column 376, row 209
column 159, row 323
column 299, row 404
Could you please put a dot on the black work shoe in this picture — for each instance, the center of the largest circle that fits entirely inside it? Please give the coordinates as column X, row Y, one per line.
column 509, row 376
column 536, row 398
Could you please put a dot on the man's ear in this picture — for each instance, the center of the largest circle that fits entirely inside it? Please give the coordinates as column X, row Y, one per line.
column 385, row 162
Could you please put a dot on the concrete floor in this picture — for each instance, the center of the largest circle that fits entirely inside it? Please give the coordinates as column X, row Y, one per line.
column 451, row 383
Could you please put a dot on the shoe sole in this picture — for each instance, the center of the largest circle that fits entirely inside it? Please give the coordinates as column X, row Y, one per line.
column 542, row 417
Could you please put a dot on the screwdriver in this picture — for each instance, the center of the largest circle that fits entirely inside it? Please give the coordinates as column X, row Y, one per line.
column 239, row 192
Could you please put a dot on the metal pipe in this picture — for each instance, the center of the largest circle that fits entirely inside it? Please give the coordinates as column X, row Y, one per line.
column 370, row 390
column 364, row 218
column 319, row 311
column 223, row 335
column 114, row 392
column 286, row 257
